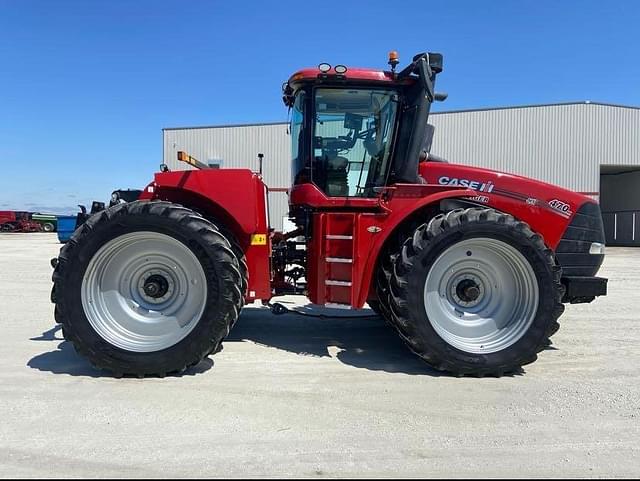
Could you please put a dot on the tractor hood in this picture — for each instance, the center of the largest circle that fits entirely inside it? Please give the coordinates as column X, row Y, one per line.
column 533, row 201
column 487, row 182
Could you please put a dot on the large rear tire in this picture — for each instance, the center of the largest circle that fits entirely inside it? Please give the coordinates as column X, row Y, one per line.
column 243, row 267
column 475, row 292
column 146, row 288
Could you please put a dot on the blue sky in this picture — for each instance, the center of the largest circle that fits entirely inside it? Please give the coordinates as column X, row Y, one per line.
column 86, row 86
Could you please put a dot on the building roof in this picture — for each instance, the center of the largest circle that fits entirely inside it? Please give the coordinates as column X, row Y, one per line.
column 483, row 109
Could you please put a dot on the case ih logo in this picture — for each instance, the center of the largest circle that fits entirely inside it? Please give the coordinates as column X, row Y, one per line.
column 471, row 184
column 560, row 207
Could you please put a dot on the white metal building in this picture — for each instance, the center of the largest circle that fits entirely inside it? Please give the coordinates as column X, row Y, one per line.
column 587, row 147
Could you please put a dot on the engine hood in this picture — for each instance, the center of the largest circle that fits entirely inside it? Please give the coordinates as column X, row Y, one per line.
column 562, row 201
column 537, row 203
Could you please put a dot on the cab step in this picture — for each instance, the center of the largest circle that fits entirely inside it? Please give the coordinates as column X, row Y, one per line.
column 339, row 260
column 335, row 305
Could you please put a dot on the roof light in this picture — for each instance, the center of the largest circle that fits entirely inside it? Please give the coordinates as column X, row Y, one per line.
column 340, row 69
column 324, row 67
column 394, row 59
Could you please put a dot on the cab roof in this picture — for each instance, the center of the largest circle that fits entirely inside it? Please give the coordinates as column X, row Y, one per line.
column 352, row 74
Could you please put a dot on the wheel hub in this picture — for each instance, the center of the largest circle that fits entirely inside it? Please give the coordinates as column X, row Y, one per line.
column 155, row 287
column 467, row 291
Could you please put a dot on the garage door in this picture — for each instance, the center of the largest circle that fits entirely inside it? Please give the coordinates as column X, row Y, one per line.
column 622, row 228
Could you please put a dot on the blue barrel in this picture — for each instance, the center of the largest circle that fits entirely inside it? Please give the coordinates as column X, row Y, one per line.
column 66, row 226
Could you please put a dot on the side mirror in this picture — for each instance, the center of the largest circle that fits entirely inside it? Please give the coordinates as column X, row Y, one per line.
column 287, row 95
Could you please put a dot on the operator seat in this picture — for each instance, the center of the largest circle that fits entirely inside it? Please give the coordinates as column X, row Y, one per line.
column 337, row 184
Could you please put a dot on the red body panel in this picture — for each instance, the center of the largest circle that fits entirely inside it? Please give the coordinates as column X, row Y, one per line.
column 7, row 216
column 349, row 233
column 548, row 209
column 235, row 197
column 368, row 229
column 309, row 194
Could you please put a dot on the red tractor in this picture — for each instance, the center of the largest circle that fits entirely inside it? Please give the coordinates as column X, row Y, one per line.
column 470, row 266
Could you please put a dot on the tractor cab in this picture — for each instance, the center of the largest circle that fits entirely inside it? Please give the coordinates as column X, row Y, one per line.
column 354, row 131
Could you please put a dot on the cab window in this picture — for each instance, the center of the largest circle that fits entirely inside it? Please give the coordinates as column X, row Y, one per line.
column 352, row 134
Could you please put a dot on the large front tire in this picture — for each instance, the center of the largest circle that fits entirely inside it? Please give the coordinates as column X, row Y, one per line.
column 146, row 288
column 475, row 292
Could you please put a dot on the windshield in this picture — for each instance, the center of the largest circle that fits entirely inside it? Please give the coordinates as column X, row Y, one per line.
column 352, row 135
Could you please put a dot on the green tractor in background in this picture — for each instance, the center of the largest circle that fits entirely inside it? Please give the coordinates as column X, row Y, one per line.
column 49, row 222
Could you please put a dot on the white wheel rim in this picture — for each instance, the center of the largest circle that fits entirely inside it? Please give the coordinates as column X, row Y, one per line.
column 144, row 291
column 481, row 295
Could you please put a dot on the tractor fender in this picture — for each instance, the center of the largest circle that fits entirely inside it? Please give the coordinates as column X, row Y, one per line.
column 402, row 210
column 207, row 208
column 235, row 197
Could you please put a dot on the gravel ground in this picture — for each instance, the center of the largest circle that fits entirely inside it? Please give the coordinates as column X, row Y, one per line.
column 299, row 396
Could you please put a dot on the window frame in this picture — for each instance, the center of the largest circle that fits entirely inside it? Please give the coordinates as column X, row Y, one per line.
column 311, row 104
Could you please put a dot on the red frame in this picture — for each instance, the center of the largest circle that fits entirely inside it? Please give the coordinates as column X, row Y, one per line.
column 237, row 198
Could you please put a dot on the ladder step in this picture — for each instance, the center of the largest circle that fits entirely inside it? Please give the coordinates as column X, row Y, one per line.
column 339, row 237
column 334, row 305
column 341, row 260
column 331, row 282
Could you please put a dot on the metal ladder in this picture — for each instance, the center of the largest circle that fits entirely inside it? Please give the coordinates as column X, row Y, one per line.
column 339, row 252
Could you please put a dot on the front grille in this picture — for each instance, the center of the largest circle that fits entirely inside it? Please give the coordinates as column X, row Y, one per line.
column 572, row 252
